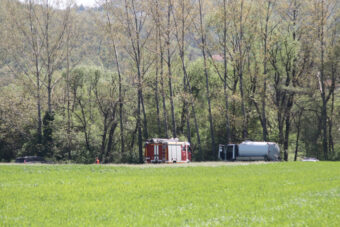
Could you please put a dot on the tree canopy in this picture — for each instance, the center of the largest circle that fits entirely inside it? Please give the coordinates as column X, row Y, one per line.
column 78, row 83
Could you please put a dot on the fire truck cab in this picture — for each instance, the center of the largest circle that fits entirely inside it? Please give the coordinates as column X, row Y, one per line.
column 167, row 151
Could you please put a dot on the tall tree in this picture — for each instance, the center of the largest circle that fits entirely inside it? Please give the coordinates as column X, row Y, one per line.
column 323, row 10
column 158, row 14
column 26, row 27
column 182, row 24
column 240, row 11
column 266, row 31
column 135, row 18
column 203, row 49
column 70, row 43
column 222, row 32
column 169, row 55
column 109, row 10
column 225, row 72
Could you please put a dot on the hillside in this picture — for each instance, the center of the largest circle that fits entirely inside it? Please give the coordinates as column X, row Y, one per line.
column 78, row 83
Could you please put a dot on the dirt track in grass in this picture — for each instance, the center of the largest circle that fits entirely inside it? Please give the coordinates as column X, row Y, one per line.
column 163, row 165
column 191, row 164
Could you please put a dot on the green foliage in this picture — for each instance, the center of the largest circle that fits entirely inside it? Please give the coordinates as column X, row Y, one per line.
column 47, row 135
column 85, row 84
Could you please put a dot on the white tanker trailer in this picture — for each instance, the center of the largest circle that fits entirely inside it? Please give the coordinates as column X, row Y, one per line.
column 249, row 150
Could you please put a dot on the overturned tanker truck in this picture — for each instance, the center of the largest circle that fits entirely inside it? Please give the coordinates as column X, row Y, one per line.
column 249, row 150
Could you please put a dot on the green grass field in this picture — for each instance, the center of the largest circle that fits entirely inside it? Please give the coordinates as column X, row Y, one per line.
column 275, row 194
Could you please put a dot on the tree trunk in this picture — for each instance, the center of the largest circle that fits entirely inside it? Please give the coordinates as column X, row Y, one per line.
column 165, row 113
column 134, row 25
column 240, row 68
column 156, row 92
column 39, row 109
column 37, row 71
column 187, row 86
column 181, row 47
column 139, row 128
column 195, row 119
column 139, row 121
column 110, row 141
column 297, row 136
column 170, row 73
column 160, row 52
column 133, row 137
column 200, row 152
column 233, row 127
column 333, row 76
column 180, row 128
column 203, row 46
column 104, row 138
column 122, row 140
column 323, row 93
column 48, row 66
column 287, row 118
column 188, row 128
column 225, row 85
column 244, row 124
column 264, row 118
column 84, row 124
column 68, row 130
column 280, row 121
column 145, row 122
column 330, row 125
column 185, row 102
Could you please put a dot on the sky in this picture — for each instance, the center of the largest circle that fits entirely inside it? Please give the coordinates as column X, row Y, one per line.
column 86, row 2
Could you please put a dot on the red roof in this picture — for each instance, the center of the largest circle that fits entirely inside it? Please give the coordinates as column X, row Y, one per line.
column 217, row 57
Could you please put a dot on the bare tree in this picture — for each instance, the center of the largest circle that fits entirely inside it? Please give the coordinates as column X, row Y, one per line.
column 266, row 31
column 29, row 58
column 109, row 9
column 53, row 35
column 182, row 23
column 223, row 43
column 70, row 39
column 203, row 49
column 135, row 18
column 168, row 61
column 323, row 10
column 225, row 73
column 107, row 104
column 161, row 56
column 239, row 18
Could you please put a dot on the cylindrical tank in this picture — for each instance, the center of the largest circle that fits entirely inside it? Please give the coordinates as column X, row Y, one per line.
column 250, row 148
column 268, row 150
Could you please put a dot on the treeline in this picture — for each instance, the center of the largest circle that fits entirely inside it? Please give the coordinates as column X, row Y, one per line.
column 77, row 84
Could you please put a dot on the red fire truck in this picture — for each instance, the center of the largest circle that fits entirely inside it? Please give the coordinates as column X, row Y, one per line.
column 167, row 151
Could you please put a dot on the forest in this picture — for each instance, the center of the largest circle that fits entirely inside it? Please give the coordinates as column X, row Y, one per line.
column 78, row 83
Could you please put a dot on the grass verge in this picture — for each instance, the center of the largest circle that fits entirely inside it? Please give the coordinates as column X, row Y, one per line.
column 96, row 195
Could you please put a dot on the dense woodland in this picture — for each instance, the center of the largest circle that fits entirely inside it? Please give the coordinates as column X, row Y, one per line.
column 78, row 83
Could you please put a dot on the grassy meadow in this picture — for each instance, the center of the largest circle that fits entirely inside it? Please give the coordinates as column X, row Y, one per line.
column 273, row 194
